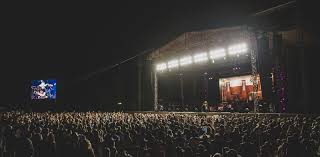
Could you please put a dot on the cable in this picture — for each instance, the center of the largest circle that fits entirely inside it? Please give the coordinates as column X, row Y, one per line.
column 270, row 10
column 110, row 67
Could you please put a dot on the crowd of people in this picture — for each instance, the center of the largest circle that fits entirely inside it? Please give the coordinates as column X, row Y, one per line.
column 101, row 134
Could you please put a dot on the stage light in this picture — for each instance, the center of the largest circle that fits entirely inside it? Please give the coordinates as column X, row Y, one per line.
column 217, row 53
column 119, row 103
column 185, row 60
column 161, row 66
column 237, row 49
column 201, row 57
column 173, row 64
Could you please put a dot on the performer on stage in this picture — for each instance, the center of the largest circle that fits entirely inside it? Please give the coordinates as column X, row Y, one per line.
column 204, row 106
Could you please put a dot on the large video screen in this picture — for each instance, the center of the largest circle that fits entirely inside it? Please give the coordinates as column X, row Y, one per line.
column 43, row 89
column 238, row 88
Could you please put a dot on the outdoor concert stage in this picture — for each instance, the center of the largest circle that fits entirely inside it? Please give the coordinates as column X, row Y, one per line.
column 226, row 65
column 217, row 66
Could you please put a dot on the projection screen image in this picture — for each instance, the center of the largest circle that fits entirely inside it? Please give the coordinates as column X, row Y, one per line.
column 238, row 87
column 43, row 89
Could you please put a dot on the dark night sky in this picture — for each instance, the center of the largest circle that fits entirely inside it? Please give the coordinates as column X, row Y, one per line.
column 67, row 41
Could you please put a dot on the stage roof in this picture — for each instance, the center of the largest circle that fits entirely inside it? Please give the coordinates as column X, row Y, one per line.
column 193, row 42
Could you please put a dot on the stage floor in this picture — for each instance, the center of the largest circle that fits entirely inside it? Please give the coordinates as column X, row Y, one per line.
column 215, row 113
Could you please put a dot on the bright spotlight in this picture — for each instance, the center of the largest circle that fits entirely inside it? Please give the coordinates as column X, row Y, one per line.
column 217, row 53
column 201, row 57
column 173, row 64
column 161, row 66
column 237, row 49
column 185, row 60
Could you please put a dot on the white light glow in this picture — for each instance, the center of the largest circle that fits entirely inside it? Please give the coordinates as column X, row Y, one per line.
column 173, row 64
column 201, row 57
column 237, row 49
column 161, row 66
column 185, row 60
column 217, row 53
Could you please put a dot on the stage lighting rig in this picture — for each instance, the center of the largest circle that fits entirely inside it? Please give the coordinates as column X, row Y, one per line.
column 217, row 53
column 185, row 61
column 237, row 49
column 200, row 57
column 173, row 64
column 161, row 67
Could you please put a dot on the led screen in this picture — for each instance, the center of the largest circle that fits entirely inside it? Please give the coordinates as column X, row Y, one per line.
column 43, row 89
column 238, row 87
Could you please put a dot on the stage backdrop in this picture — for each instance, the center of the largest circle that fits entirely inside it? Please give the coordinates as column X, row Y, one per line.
column 238, row 87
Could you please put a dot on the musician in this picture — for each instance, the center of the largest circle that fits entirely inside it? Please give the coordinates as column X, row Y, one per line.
column 237, row 103
column 205, row 106
column 161, row 107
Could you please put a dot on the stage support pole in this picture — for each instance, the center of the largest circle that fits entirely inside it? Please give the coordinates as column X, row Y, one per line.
column 254, row 73
column 181, row 90
column 140, row 66
column 155, row 105
column 205, row 79
column 194, row 91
